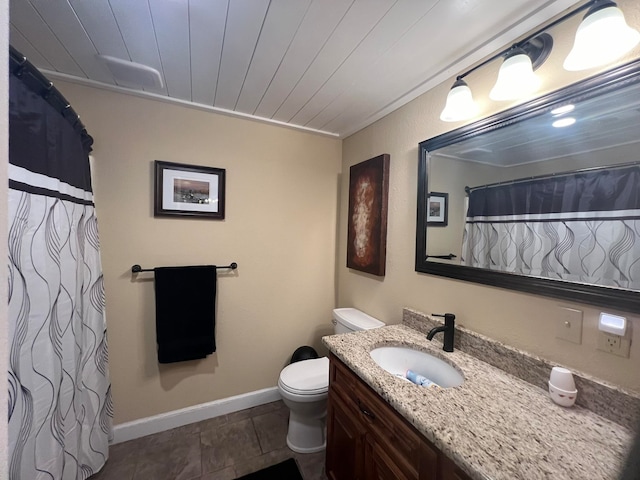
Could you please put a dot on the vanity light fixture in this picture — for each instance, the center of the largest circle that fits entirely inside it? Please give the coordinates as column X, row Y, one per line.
column 602, row 37
column 564, row 122
column 515, row 78
column 563, row 109
column 460, row 104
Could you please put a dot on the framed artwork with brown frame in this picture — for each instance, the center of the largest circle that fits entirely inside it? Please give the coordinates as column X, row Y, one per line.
column 367, row 221
column 437, row 209
column 188, row 191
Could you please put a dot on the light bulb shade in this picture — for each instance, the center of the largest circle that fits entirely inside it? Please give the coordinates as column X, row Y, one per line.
column 602, row 37
column 515, row 78
column 460, row 104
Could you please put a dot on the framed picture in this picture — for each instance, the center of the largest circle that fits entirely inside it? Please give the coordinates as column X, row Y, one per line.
column 367, row 221
column 188, row 190
column 437, row 209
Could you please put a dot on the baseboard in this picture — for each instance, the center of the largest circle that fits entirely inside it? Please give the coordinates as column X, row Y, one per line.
column 184, row 416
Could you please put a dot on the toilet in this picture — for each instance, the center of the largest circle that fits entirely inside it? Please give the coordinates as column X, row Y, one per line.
column 304, row 387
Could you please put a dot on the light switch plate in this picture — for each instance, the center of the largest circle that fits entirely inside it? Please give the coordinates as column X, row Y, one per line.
column 569, row 325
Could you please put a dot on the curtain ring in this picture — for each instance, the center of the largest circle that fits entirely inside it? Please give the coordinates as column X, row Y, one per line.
column 19, row 70
column 47, row 91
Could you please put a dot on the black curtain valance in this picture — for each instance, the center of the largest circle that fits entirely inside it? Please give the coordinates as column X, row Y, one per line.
column 601, row 190
column 30, row 76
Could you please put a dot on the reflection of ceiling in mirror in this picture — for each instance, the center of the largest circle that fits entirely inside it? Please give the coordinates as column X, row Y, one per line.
column 607, row 121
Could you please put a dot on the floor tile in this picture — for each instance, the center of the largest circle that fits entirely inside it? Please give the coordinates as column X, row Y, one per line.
column 175, row 435
column 228, row 473
column 171, row 460
column 126, row 451
column 221, row 448
column 228, row 445
column 253, row 411
column 116, row 471
column 238, row 416
column 254, row 464
column 311, row 465
column 214, row 422
column 268, row 407
column 271, row 429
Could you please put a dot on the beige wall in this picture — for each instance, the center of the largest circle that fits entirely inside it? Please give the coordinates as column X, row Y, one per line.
column 524, row 321
column 280, row 227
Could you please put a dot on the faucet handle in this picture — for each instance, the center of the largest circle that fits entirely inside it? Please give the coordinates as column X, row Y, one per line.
column 448, row 317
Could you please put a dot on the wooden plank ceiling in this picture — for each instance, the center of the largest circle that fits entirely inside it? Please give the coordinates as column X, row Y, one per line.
column 333, row 66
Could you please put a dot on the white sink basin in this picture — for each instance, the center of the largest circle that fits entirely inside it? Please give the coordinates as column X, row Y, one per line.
column 397, row 360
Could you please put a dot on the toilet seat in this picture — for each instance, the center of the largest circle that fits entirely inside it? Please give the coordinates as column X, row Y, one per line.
column 307, row 377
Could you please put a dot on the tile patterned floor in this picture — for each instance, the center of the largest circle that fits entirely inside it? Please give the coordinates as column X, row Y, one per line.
column 222, row 448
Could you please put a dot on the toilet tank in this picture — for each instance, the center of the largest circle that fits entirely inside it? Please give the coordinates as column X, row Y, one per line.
column 351, row 320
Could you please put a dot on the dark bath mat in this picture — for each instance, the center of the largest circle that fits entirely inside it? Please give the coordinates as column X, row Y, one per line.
column 287, row 470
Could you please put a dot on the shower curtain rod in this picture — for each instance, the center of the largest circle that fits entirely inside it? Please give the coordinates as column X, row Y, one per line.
column 468, row 190
column 138, row 268
column 41, row 85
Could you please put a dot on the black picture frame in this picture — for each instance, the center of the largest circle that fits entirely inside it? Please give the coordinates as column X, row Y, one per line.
column 437, row 209
column 182, row 190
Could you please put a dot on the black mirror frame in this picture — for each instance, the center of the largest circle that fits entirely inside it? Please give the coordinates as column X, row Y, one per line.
column 615, row 298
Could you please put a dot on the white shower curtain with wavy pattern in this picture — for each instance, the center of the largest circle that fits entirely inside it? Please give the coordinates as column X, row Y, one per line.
column 59, row 391
column 582, row 227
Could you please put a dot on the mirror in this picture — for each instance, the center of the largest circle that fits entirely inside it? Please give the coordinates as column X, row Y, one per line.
column 526, row 207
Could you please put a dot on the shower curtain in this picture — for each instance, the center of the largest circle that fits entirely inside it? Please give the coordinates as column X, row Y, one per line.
column 59, row 391
column 582, row 227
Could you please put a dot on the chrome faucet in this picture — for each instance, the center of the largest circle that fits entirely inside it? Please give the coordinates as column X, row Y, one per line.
column 448, row 328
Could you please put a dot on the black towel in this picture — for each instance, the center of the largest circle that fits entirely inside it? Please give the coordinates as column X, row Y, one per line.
column 185, row 312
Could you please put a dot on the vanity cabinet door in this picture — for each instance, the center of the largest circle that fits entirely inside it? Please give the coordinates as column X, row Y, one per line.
column 342, row 380
column 393, row 435
column 345, row 442
column 450, row 471
column 379, row 466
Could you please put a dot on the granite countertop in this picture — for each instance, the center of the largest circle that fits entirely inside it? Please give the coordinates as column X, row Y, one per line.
column 493, row 426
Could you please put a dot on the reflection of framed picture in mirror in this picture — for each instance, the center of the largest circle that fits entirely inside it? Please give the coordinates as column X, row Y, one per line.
column 188, row 190
column 437, row 209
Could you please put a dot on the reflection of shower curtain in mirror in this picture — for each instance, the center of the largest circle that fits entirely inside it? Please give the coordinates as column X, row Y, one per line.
column 581, row 227
column 59, row 392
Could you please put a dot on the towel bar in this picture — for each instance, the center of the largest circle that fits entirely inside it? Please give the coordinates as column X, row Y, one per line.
column 138, row 268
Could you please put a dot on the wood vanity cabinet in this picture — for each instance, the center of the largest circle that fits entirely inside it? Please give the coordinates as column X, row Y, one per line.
column 367, row 439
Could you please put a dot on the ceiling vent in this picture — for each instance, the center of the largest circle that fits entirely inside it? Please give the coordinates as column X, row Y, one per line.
column 132, row 74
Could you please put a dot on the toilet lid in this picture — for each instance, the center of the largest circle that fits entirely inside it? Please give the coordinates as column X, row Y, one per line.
column 306, row 377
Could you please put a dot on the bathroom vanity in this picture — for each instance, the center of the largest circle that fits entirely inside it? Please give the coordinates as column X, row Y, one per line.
column 369, row 439
column 493, row 426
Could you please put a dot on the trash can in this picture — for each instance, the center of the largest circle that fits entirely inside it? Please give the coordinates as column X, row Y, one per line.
column 303, row 353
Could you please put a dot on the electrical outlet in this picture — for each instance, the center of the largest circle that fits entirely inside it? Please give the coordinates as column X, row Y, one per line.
column 614, row 344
